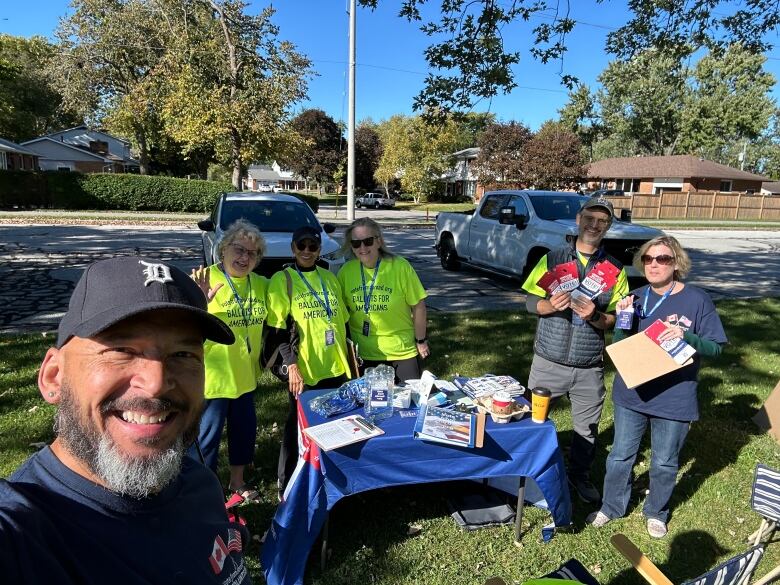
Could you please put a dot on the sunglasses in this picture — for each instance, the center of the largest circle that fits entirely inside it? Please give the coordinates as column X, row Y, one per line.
column 367, row 242
column 662, row 259
column 241, row 251
column 312, row 247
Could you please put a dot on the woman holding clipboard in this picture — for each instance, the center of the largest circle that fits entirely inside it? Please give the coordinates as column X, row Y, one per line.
column 311, row 297
column 386, row 302
column 667, row 404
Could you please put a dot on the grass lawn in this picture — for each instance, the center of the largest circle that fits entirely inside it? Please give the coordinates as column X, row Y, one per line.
column 368, row 534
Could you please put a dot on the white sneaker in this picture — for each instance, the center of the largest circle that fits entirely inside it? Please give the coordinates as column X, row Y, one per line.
column 656, row 528
column 597, row 519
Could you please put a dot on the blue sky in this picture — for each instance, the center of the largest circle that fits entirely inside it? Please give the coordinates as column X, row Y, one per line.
column 390, row 63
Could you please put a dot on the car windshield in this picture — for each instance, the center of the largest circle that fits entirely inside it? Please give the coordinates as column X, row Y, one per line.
column 559, row 206
column 268, row 216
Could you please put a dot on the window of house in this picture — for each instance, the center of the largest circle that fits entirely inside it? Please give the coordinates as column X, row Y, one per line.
column 64, row 169
column 3, row 161
column 725, row 186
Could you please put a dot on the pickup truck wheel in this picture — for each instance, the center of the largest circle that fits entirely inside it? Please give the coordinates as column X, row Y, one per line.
column 376, row 205
column 357, row 204
column 448, row 255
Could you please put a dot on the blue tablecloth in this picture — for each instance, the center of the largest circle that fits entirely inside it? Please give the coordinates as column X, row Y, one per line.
column 520, row 448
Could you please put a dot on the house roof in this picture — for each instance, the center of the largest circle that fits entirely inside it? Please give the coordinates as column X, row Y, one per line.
column 472, row 152
column 88, row 129
column 67, row 145
column 8, row 146
column 682, row 165
column 771, row 186
column 262, row 173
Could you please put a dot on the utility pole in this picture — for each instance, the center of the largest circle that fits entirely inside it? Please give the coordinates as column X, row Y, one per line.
column 351, row 116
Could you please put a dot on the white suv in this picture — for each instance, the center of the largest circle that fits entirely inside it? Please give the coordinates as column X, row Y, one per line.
column 375, row 200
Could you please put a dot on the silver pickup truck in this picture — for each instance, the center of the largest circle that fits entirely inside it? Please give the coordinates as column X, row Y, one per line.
column 510, row 231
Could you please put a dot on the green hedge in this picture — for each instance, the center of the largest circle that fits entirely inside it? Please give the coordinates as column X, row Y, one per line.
column 61, row 190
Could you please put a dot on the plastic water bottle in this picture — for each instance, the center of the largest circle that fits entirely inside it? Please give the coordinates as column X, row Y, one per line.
column 378, row 403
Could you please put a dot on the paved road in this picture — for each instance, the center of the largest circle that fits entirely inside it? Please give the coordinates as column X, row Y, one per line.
column 39, row 265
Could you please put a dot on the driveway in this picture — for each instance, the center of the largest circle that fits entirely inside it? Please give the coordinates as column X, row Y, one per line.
column 40, row 264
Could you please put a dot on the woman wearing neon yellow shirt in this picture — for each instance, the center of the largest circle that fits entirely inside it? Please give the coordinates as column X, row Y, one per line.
column 311, row 297
column 238, row 297
column 386, row 302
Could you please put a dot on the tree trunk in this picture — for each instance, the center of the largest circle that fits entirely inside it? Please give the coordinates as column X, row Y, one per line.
column 143, row 151
column 238, row 166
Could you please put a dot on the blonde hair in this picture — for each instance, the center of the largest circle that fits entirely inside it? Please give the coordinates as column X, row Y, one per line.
column 239, row 229
column 376, row 231
column 681, row 257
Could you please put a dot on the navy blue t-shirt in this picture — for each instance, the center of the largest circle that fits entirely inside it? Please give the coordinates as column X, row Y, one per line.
column 672, row 396
column 58, row 527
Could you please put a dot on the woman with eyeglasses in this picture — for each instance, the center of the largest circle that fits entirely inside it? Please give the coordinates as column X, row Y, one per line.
column 309, row 296
column 668, row 405
column 238, row 297
column 386, row 302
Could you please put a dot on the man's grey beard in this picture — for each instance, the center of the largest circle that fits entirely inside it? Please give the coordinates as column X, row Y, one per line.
column 136, row 477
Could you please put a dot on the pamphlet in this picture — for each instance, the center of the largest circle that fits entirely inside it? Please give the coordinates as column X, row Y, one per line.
column 343, row 431
column 677, row 348
column 486, row 385
column 564, row 277
column 449, row 427
column 602, row 277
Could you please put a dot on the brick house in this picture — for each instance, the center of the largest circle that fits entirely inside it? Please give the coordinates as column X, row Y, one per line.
column 652, row 174
column 14, row 157
column 83, row 150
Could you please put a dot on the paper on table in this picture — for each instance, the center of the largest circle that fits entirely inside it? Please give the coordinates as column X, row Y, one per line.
column 343, row 431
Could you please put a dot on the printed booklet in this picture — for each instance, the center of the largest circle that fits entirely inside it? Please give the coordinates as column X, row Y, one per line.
column 450, row 427
column 343, row 431
column 486, row 385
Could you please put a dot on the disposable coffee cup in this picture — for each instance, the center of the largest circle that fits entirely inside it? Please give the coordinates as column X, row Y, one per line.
column 502, row 402
column 540, row 404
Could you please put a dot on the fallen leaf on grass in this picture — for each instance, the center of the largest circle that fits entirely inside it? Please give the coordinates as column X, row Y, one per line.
column 595, row 569
column 413, row 529
column 732, row 533
column 740, row 520
column 33, row 409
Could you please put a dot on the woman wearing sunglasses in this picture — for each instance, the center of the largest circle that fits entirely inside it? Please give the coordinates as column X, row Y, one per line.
column 386, row 302
column 667, row 404
column 309, row 296
column 238, row 297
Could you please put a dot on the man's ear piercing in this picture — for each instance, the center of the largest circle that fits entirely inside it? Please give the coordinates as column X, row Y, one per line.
column 52, row 394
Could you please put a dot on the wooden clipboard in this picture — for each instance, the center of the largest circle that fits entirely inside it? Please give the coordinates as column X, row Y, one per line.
column 638, row 359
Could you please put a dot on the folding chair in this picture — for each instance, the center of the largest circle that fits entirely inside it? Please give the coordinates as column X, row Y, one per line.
column 735, row 571
column 765, row 499
column 570, row 571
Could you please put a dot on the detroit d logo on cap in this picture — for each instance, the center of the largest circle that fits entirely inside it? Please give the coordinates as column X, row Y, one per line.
column 156, row 273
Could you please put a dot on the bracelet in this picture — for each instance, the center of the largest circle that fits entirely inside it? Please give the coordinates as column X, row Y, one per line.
column 423, row 340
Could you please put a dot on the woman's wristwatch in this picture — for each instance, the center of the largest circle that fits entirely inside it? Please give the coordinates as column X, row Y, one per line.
column 423, row 340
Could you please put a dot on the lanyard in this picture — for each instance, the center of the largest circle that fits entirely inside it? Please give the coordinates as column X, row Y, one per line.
column 645, row 314
column 238, row 298
column 326, row 303
column 367, row 299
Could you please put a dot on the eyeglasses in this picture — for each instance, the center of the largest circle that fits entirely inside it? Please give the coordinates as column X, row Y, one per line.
column 367, row 242
column 662, row 259
column 241, row 251
column 589, row 219
column 311, row 247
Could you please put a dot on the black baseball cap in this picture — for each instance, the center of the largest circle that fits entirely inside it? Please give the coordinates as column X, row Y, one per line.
column 110, row 291
column 600, row 202
column 307, row 232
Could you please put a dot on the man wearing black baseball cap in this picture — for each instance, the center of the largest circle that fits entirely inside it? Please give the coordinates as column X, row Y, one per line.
column 569, row 343
column 113, row 498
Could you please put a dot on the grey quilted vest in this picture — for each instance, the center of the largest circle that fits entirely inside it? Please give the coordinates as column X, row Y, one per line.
column 556, row 338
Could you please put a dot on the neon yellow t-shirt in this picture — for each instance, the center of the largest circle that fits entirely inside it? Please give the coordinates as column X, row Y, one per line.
column 232, row 370
column 618, row 291
column 317, row 359
column 391, row 329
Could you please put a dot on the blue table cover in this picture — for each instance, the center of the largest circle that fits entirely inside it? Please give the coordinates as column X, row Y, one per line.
column 519, row 448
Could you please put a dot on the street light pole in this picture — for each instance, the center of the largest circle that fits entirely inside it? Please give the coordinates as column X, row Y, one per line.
column 351, row 116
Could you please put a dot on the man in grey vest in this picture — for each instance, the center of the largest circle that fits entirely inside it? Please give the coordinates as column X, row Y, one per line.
column 569, row 343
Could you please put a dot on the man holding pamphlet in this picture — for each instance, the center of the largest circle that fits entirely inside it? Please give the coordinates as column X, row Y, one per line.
column 686, row 323
column 574, row 291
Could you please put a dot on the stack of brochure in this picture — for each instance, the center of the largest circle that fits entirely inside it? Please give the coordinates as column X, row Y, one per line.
column 486, row 385
column 450, row 427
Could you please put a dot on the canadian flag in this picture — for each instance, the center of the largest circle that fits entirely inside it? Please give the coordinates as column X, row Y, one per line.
column 218, row 555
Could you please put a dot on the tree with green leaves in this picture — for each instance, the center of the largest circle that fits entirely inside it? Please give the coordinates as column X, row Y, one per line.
column 581, row 117
column 230, row 82
column 501, row 146
column 29, row 104
column 368, row 152
column 470, row 59
column 323, row 147
column 553, row 158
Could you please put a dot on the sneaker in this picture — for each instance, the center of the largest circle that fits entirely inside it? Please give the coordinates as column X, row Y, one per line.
column 656, row 528
column 585, row 490
column 597, row 519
